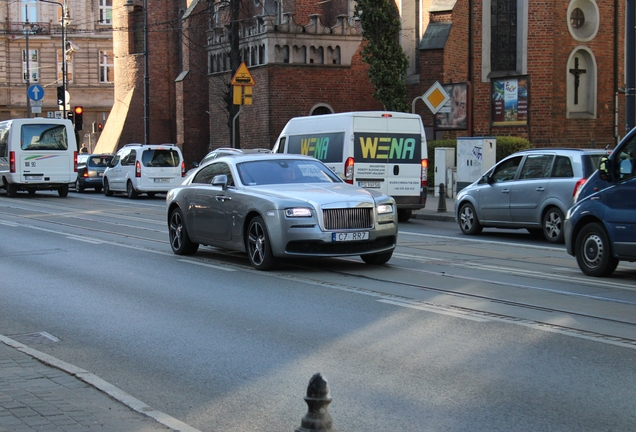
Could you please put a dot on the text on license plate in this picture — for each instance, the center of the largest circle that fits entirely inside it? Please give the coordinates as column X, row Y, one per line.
column 33, row 177
column 162, row 180
column 370, row 185
column 350, row 236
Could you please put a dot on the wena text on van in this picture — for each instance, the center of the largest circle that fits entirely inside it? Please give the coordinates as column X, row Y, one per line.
column 379, row 150
column 37, row 154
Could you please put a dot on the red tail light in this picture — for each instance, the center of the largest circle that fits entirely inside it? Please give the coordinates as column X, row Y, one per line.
column 183, row 171
column 75, row 161
column 578, row 185
column 138, row 169
column 424, row 175
column 12, row 161
column 348, row 170
column 85, row 174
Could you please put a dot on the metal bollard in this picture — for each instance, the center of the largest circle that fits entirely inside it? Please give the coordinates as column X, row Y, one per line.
column 317, row 417
column 441, row 205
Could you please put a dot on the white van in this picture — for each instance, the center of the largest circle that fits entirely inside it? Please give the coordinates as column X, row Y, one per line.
column 144, row 168
column 379, row 150
column 37, row 154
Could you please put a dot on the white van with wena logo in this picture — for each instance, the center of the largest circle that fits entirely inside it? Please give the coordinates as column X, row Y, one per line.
column 37, row 154
column 379, row 150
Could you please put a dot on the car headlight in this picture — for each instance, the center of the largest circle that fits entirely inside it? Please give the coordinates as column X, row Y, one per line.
column 298, row 212
column 385, row 208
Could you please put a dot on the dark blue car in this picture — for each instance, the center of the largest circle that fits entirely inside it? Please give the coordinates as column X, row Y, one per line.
column 600, row 228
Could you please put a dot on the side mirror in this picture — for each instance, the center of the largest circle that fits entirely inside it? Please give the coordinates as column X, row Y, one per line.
column 489, row 179
column 604, row 168
column 195, row 164
column 220, row 180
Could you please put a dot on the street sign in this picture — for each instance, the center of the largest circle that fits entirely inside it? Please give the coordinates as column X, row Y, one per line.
column 243, row 77
column 36, row 92
column 435, row 97
column 242, row 95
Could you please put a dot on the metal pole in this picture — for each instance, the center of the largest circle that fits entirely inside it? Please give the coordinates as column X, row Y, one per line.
column 234, row 126
column 28, row 65
column 630, row 64
column 64, row 64
column 146, row 80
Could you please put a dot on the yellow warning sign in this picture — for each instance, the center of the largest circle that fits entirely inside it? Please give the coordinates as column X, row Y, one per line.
column 243, row 77
column 242, row 95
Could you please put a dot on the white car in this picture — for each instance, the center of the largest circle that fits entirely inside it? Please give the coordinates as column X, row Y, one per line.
column 144, row 168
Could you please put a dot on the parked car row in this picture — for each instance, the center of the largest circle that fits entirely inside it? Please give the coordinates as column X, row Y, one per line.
column 585, row 198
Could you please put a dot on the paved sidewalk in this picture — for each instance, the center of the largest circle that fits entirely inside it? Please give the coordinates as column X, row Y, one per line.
column 41, row 393
column 431, row 212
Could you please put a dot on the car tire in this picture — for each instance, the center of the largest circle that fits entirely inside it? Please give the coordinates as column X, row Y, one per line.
column 150, row 194
column 593, row 251
column 553, row 225
column 107, row 190
column 11, row 189
column 130, row 190
column 377, row 258
column 179, row 239
column 98, row 189
column 404, row 215
column 468, row 222
column 63, row 191
column 258, row 247
column 78, row 186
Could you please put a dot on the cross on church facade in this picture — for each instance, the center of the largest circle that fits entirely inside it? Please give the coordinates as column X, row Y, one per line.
column 577, row 79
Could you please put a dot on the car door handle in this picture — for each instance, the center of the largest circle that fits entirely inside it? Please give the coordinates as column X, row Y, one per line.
column 222, row 198
column 505, row 191
column 540, row 189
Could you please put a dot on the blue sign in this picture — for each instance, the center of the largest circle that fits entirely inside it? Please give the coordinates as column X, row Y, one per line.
column 36, row 92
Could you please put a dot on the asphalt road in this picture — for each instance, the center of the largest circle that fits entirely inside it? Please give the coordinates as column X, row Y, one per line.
column 499, row 332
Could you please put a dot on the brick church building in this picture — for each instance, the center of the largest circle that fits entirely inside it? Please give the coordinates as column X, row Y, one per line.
column 547, row 71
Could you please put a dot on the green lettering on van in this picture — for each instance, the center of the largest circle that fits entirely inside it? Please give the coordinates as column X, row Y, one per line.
column 322, row 145
column 402, row 148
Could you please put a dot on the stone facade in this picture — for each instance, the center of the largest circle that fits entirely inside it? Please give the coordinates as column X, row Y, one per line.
column 90, row 69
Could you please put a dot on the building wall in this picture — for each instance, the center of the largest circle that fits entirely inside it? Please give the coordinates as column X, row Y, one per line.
column 85, row 90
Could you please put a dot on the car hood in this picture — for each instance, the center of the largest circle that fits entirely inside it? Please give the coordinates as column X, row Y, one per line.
column 319, row 194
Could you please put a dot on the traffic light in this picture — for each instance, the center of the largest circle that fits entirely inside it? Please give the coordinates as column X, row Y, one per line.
column 79, row 117
column 60, row 95
column 100, row 127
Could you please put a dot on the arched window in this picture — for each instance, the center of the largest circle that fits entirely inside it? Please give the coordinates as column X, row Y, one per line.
column 581, row 84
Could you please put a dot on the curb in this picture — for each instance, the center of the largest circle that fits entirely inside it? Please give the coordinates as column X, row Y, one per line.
column 440, row 216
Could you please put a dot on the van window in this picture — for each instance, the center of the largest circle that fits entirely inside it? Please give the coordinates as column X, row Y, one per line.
column 4, row 140
column 38, row 137
column 392, row 148
column 625, row 161
column 326, row 147
column 160, row 158
column 281, row 146
column 562, row 167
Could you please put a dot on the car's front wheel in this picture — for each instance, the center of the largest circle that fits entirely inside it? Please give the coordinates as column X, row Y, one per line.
column 107, row 190
column 593, row 251
column 63, row 191
column 404, row 215
column 377, row 258
column 179, row 240
column 468, row 222
column 259, row 249
column 553, row 225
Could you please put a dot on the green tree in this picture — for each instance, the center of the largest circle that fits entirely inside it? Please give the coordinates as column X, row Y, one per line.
column 380, row 21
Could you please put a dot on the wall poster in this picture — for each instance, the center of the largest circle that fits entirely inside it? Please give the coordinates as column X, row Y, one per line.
column 509, row 101
column 452, row 115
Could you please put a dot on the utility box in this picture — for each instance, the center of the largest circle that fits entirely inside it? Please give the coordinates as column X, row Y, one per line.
column 475, row 156
column 444, row 160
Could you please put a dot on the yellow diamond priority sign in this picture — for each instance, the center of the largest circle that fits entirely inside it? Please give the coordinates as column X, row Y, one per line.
column 243, row 77
column 435, row 97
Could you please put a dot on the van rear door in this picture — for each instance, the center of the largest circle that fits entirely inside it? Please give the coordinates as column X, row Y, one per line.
column 388, row 157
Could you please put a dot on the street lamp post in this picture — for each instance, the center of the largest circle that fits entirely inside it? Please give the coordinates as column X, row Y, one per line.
column 64, row 65
column 131, row 8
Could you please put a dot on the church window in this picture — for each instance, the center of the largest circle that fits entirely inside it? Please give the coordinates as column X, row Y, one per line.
column 503, row 31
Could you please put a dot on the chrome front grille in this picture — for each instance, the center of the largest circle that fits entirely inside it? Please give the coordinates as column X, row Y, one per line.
column 348, row 218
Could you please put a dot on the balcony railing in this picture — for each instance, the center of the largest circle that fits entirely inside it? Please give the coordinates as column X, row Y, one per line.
column 33, row 28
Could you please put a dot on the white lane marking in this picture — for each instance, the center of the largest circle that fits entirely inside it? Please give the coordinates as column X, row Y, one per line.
column 85, row 240
column 484, row 241
column 11, row 224
column 207, row 265
column 438, row 310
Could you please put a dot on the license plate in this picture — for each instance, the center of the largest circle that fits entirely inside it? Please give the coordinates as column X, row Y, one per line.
column 369, row 185
column 350, row 236
column 32, row 177
column 162, row 180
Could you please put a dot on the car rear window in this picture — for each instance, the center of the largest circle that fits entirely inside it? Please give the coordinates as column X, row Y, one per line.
column 160, row 158
column 98, row 161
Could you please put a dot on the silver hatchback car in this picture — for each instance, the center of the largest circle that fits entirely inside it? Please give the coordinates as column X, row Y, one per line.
column 531, row 189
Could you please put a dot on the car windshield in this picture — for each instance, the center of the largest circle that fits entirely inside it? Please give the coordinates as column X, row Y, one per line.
column 285, row 171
